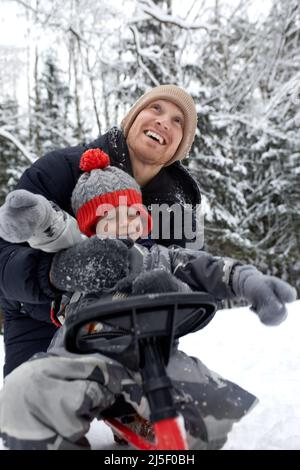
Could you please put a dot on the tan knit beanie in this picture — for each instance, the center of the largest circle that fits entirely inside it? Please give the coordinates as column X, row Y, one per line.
column 177, row 96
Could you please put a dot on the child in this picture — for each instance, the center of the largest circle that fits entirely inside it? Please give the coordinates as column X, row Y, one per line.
column 97, row 199
column 107, row 203
column 58, row 394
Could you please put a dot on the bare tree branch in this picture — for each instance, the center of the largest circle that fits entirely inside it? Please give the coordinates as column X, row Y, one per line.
column 152, row 10
column 26, row 5
column 11, row 138
column 139, row 54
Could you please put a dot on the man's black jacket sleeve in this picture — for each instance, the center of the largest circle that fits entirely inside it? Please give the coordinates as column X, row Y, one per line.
column 24, row 272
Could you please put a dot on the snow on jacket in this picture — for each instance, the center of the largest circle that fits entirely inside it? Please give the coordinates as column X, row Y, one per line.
column 25, row 289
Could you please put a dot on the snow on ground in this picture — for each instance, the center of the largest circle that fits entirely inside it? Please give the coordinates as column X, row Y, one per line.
column 264, row 360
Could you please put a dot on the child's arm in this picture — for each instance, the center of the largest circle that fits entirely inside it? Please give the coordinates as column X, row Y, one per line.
column 28, row 217
column 227, row 278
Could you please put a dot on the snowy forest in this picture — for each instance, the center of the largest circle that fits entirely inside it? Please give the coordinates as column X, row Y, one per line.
column 83, row 63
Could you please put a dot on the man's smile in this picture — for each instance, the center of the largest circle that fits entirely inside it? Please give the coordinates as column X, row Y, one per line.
column 154, row 135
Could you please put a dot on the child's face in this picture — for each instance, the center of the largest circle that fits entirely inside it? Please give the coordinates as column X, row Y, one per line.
column 120, row 222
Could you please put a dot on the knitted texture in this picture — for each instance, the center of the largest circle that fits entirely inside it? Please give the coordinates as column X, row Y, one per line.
column 106, row 186
column 267, row 294
column 94, row 158
column 177, row 96
column 24, row 215
column 98, row 183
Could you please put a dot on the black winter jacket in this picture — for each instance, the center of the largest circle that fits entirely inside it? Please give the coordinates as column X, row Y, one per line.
column 25, row 290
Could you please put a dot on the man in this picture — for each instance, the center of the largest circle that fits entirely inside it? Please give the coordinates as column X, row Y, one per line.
column 59, row 393
column 155, row 135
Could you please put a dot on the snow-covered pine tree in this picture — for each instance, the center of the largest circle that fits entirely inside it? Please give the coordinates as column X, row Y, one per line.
column 151, row 50
column 274, row 202
column 50, row 119
column 12, row 161
column 219, row 56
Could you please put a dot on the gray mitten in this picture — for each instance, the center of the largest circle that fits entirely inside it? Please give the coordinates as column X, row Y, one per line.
column 23, row 214
column 91, row 266
column 267, row 294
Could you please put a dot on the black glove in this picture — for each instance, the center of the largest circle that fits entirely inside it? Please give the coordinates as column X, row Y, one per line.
column 267, row 294
column 91, row 266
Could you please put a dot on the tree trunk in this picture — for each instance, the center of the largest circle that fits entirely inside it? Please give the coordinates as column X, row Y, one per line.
column 37, row 127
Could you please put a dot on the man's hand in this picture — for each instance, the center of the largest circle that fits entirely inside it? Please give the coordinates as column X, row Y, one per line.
column 90, row 266
column 23, row 215
column 267, row 294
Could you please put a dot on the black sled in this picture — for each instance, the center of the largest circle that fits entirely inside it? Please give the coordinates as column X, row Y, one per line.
column 140, row 332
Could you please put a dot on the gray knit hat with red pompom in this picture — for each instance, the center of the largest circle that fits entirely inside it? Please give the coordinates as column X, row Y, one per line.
column 183, row 100
column 102, row 185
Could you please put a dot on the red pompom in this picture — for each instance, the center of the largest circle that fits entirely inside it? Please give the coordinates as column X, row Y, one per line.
column 94, row 159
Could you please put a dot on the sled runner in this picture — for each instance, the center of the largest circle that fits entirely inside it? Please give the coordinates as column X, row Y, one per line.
column 140, row 332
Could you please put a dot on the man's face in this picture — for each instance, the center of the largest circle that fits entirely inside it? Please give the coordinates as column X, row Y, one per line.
column 156, row 133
